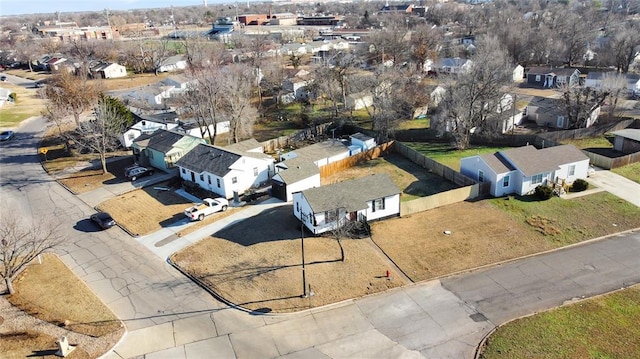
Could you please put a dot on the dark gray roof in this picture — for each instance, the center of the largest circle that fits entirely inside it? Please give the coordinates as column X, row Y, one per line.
column 163, row 117
column 531, row 161
column 630, row 133
column 352, row 195
column 163, row 140
column 207, row 158
column 298, row 170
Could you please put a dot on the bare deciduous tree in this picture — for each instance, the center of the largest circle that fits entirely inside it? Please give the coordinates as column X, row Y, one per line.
column 203, row 101
column 237, row 80
column 580, row 102
column 72, row 93
column 473, row 96
column 21, row 242
column 100, row 135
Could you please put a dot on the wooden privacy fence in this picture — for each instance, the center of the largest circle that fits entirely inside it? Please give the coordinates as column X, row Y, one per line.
column 341, row 165
column 611, row 162
column 312, row 133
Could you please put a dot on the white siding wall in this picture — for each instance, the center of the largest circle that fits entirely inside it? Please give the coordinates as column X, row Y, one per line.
column 391, row 207
column 581, row 171
column 311, row 182
column 470, row 167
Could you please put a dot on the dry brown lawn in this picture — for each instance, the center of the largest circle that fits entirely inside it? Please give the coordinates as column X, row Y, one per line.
column 413, row 180
column 90, row 178
column 480, row 234
column 27, row 344
column 268, row 276
column 51, row 292
column 146, row 210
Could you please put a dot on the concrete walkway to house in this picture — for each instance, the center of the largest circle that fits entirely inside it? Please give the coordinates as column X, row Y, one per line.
column 617, row 185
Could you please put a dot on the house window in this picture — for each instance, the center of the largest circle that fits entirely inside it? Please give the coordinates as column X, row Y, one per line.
column 218, row 182
column 538, row 78
column 234, row 179
column 572, row 170
column 560, row 122
column 505, row 181
column 330, row 216
column 183, row 170
column 209, row 177
column 536, row 179
column 255, row 171
column 378, row 204
column 480, row 176
column 202, row 177
column 297, row 206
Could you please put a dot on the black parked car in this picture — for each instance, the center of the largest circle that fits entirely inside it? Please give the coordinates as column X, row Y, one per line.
column 103, row 219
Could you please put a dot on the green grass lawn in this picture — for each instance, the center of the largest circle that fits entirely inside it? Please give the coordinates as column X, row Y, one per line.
column 631, row 171
column 416, row 123
column 597, row 142
column 447, row 155
column 564, row 222
column 602, row 327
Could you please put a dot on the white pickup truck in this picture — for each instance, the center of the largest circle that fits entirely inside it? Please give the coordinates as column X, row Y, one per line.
column 207, row 207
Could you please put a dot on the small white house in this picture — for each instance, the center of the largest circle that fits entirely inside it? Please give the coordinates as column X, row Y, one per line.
column 369, row 198
column 173, row 63
column 362, row 141
column 292, row 176
column 520, row 170
column 223, row 171
column 147, row 126
column 109, row 70
column 321, row 153
column 518, row 73
column 360, row 100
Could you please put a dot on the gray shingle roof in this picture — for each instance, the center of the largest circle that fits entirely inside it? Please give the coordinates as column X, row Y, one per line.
column 244, row 146
column 298, row 170
column 497, row 163
column 352, row 195
column 531, row 161
column 207, row 158
column 630, row 133
column 321, row 150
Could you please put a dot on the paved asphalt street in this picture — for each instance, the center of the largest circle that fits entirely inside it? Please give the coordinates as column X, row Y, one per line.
column 168, row 316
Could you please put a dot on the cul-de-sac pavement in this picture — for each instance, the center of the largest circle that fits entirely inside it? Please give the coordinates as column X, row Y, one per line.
column 169, row 316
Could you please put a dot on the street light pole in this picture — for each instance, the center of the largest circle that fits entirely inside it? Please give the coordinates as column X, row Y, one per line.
column 304, row 274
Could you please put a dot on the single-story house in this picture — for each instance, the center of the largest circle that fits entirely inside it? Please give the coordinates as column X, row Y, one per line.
column 163, row 148
column 108, row 70
column 321, row 153
column 321, row 209
column 146, row 124
column 362, row 141
column 149, row 96
column 595, row 79
column 449, row 65
column 547, row 77
column 180, row 83
column 294, row 175
column 298, row 86
column 627, row 140
column 173, row 63
column 293, row 49
column 520, row 170
column 551, row 112
column 360, row 100
column 437, row 95
column 223, row 171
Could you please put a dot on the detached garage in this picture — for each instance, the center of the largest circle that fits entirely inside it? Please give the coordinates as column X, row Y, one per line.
column 294, row 175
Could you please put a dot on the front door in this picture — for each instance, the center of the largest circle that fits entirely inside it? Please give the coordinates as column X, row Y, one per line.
column 193, row 177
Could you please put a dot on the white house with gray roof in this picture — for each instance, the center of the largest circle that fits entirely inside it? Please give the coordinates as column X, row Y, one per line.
column 292, row 176
column 224, row 171
column 366, row 198
column 520, row 170
column 321, row 153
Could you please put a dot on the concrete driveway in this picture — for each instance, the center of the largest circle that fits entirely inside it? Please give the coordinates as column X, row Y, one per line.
column 617, row 185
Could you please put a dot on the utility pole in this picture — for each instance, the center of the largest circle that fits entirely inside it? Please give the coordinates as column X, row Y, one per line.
column 304, row 274
column 109, row 23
